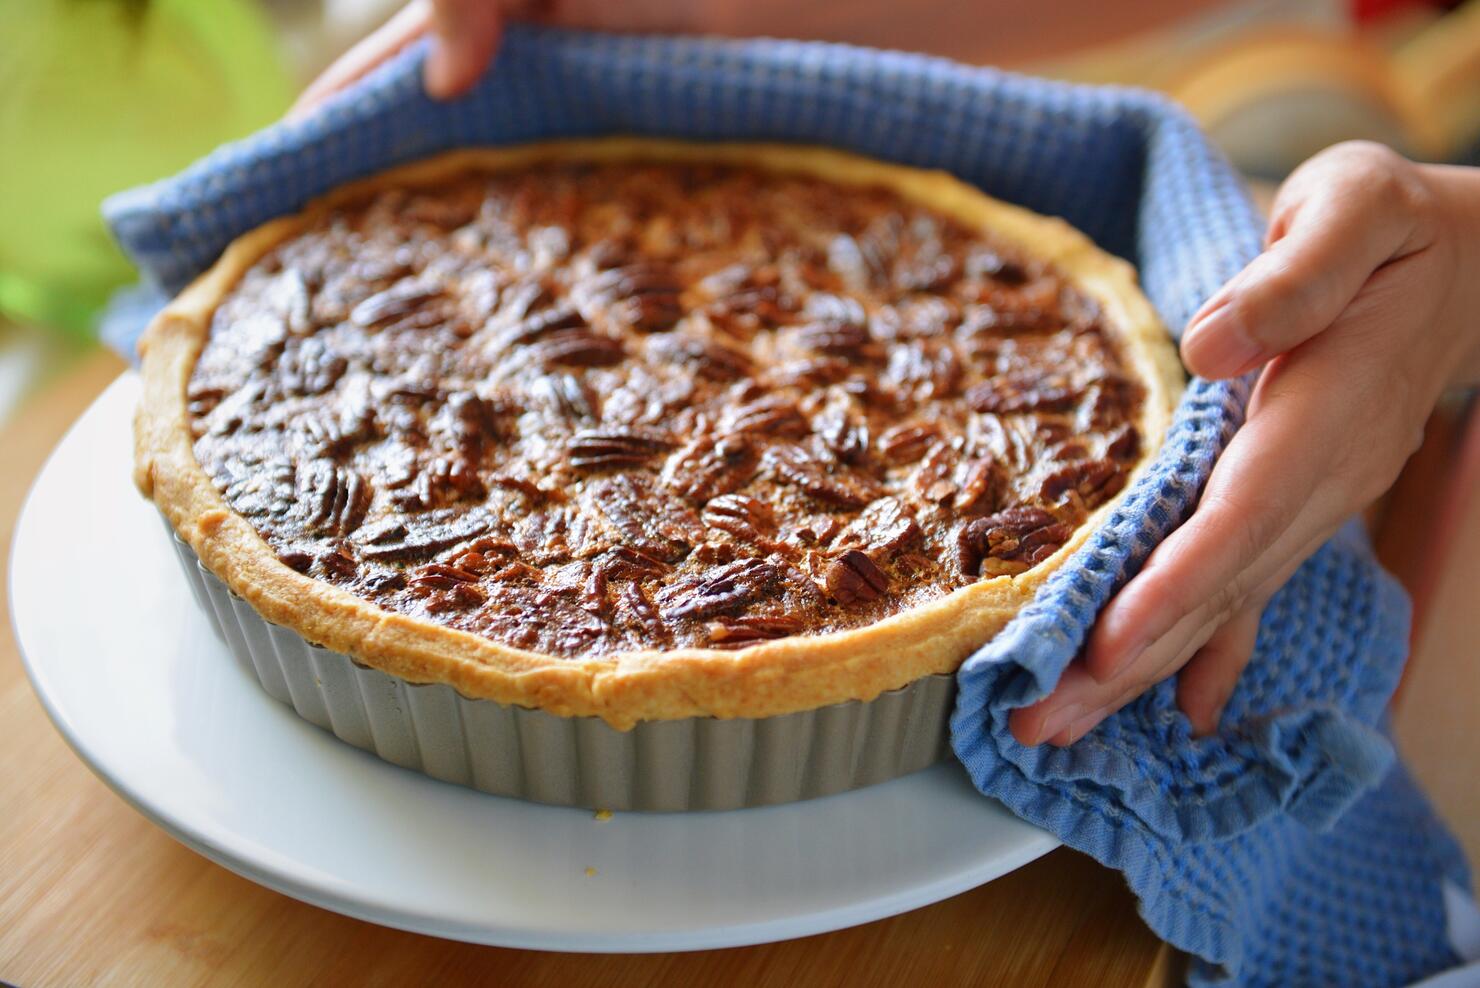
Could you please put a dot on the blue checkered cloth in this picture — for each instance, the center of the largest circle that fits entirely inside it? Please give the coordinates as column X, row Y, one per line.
column 1290, row 849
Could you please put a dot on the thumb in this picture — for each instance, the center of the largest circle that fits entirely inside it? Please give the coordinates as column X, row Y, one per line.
column 1341, row 216
column 465, row 35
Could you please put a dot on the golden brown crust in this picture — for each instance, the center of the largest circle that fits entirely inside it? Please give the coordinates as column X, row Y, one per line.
column 765, row 679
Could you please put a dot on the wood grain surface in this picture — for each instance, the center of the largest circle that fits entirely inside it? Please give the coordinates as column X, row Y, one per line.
column 92, row 893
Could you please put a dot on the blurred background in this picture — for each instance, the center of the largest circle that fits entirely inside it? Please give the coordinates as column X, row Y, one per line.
column 100, row 95
column 105, row 94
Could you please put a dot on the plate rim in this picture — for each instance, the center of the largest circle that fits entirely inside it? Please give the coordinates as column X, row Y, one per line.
column 233, row 853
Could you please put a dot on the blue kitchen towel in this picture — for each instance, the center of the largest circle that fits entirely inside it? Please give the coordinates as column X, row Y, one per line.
column 1290, row 848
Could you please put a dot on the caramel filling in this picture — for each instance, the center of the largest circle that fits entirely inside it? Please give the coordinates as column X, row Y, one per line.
column 594, row 409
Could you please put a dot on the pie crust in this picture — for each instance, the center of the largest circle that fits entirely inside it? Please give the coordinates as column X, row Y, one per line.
column 785, row 675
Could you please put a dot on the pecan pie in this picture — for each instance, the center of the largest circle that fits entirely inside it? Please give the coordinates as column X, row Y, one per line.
column 648, row 430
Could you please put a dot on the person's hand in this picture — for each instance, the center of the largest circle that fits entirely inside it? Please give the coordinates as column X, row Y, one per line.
column 465, row 36
column 1364, row 304
column 466, row 33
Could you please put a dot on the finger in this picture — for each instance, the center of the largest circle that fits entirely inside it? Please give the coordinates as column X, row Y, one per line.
column 1294, row 471
column 467, row 35
column 1282, row 485
column 1197, row 618
column 1270, row 475
column 1310, row 453
column 1208, row 679
column 1094, row 701
column 1225, row 640
column 1336, row 224
column 1081, row 700
column 1232, row 549
column 408, row 24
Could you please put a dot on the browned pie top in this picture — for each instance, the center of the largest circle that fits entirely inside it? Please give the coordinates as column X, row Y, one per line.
column 596, row 409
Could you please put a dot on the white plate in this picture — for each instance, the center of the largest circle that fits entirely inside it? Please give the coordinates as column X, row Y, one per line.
column 139, row 686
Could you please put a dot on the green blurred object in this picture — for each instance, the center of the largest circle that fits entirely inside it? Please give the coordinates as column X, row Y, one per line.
column 99, row 95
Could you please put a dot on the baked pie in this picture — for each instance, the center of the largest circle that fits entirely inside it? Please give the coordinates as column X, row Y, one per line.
column 648, row 430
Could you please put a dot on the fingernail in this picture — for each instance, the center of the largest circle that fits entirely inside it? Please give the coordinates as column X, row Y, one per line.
column 437, row 75
column 1058, row 720
column 1218, row 346
column 1209, row 725
column 1203, row 723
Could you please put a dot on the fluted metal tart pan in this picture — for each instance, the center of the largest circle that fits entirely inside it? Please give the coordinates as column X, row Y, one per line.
column 694, row 763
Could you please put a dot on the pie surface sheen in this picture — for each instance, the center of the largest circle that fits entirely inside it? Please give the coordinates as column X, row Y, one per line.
column 646, row 430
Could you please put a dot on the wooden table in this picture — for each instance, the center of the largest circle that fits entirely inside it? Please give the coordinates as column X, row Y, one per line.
column 91, row 892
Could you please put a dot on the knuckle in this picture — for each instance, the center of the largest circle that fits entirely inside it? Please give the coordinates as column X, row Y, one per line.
column 1368, row 470
column 1229, row 599
column 1364, row 158
column 1291, row 298
column 1181, row 588
column 1413, row 441
column 1143, row 682
column 1382, row 177
column 1356, row 172
column 1184, row 598
column 1253, row 519
column 1213, row 590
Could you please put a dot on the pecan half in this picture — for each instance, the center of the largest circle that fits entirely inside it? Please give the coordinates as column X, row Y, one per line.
column 730, row 587
column 1090, row 482
column 565, row 395
column 289, row 294
column 737, row 632
column 579, row 348
column 625, row 561
column 832, row 483
column 924, row 369
column 438, row 576
column 445, row 480
column 932, row 480
column 833, row 338
column 773, row 415
column 1109, row 399
column 308, row 367
column 983, row 262
column 633, row 603
column 708, row 467
column 402, row 540
column 538, row 325
column 599, row 449
column 854, row 577
column 808, row 373
column 1124, row 445
column 980, row 487
column 908, row 442
column 644, row 518
column 264, row 488
column 445, row 588
column 845, row 433
column 885, row 527
column 1009, row 541
column 1023, row 392
column 835, row 324
column 334, row 498
column 404, row 303
column 710, row 359
column 742, row 516
column 643, row 296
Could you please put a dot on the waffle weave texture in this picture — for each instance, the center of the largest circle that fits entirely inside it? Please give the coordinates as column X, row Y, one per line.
column 1290, row 849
